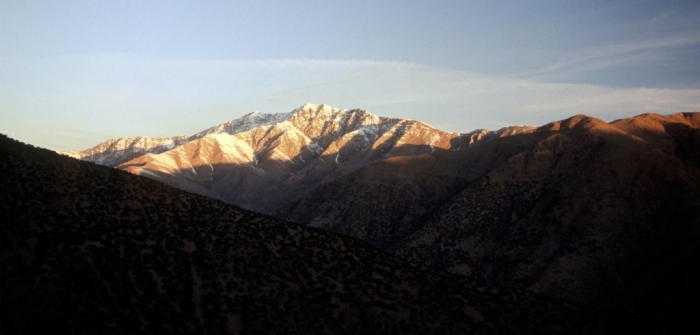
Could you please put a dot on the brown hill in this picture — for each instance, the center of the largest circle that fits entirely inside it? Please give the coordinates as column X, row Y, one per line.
column 89, row 249
column 602, row 214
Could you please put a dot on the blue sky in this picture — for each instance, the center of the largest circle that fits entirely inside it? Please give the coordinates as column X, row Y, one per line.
column 76, row 73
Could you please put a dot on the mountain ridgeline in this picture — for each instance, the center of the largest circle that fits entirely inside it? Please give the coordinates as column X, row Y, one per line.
column 88, row 249
column 264, row 161
column 606, row 215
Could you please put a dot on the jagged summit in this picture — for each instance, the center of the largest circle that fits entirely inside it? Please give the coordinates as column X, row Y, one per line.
column 257, row 158
column 318, row 108
column 312, row 119
column 243, row 124
column 263, row 160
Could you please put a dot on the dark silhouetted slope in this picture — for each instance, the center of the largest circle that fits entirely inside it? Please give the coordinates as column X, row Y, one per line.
column 90, row 249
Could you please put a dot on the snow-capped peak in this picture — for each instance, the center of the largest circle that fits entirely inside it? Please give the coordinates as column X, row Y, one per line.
column 315, row 127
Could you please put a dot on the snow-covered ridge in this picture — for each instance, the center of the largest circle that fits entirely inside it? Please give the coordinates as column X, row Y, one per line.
column 243, row 124
column 317, row 126
column 116, row 150
column 129, row 146
column 262, row 160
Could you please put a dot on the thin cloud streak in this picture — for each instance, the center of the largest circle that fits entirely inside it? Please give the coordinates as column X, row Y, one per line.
column 600, row 57
column 160, row 97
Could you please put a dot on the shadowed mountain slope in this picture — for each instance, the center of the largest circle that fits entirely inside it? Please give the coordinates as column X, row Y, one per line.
column 602, row 214
column 90, row 249
column 388, row 200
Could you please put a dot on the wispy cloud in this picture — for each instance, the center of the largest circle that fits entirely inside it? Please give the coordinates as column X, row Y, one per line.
column 132, row 95
column 600, row 57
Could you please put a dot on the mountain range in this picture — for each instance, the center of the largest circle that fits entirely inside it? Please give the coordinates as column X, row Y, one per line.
column 88, row 249
column 264, row 161
column 606, row 215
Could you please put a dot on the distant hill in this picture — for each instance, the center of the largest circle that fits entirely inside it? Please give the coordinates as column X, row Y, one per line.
column 92, row 250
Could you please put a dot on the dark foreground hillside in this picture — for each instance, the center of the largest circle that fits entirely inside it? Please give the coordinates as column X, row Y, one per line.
column 89, row 249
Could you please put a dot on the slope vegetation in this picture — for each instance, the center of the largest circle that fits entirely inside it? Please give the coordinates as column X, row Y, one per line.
column 90, row 249
column 606, row 215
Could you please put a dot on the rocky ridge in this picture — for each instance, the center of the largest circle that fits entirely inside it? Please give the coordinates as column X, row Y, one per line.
column 263, row 161
column 604, row 214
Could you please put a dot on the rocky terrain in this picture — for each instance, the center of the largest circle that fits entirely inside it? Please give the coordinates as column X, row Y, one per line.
column 606, row 215
column 600, row 214
column 92, row 250
column 264, row 161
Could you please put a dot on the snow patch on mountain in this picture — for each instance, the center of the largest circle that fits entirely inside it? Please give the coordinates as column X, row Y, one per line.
column 315, row 148
column 245, row 123
column 368, row 133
